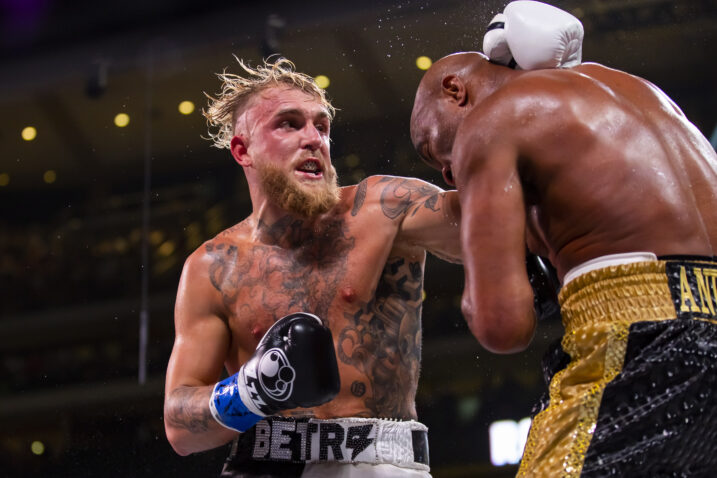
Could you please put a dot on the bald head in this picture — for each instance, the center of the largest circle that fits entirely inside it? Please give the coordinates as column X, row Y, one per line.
column 443, row 98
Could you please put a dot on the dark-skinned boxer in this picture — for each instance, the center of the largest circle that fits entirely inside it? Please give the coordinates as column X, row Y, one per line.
column 601, row 173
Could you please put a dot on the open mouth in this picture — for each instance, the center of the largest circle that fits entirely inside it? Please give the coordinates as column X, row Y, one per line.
column 311, row 167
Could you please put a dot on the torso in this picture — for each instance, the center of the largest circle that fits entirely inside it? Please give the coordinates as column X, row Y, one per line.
column 611, row 165
column 353, row 272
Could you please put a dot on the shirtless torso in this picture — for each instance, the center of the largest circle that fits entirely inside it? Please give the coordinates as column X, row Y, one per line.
column 609, row 163
column 359, row 268
column 578, row 163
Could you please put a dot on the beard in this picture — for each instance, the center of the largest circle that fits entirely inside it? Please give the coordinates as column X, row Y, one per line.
column 290, row 195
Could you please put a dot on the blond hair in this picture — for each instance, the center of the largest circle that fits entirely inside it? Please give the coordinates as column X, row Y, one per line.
column 222, row 111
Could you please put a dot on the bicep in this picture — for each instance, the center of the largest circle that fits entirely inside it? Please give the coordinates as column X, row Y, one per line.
column 198, row 354
column 202, row 337
column 433, row 222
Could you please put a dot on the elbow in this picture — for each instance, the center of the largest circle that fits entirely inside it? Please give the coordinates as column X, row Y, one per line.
column 180, row 451
column 175, row 440
column 499, row 330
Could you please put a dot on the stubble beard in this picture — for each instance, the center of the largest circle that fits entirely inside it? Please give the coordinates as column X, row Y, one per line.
column 289, row 194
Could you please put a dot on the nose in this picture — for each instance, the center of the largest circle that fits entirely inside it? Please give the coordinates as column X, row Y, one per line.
column 311, row 139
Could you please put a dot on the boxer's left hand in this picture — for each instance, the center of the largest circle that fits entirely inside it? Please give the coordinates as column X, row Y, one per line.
column 293, row 366
column 534, row 35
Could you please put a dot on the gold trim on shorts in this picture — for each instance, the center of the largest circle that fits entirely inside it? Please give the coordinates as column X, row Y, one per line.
column 597, row 310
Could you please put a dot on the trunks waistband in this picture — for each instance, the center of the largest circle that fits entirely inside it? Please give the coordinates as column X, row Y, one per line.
column 683, row 287
column 344, row 440
column 606, row 261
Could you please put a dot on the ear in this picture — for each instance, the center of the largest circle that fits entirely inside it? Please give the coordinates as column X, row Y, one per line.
column 239, row 151
column 454, row 88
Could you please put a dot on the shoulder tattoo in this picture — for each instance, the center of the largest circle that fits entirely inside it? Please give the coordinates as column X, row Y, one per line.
column 402, row 196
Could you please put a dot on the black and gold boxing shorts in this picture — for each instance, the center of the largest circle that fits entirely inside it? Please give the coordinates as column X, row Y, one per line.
column 637, row 393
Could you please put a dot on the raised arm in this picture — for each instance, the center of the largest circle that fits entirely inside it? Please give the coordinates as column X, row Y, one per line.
column 430, row 217
column 497, row 298
column 200, row 348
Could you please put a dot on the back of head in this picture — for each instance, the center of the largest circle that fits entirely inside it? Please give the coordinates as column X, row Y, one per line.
column 462, row 64
column 237, row 91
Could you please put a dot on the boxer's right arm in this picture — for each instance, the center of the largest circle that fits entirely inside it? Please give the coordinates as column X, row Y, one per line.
column 498, row 298
column 293, row 366
column 200, row 348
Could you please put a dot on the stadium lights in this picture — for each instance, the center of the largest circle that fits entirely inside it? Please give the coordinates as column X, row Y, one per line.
column 29, row 133
column 423, row 62
column 322, row 81
column 507, row 440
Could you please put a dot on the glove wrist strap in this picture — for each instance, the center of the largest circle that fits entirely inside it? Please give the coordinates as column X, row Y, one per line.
column 228, row 405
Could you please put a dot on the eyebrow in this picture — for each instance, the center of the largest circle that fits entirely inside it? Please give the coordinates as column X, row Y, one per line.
column 295, row 111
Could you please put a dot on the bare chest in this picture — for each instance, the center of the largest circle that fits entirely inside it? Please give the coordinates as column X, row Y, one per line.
column 263, row 283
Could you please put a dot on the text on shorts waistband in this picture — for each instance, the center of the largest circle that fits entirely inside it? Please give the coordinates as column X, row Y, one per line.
column 671, row 287
column 693, row 286
column 345, row 440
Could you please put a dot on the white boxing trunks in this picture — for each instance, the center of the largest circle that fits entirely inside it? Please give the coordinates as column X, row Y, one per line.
column 341, row 447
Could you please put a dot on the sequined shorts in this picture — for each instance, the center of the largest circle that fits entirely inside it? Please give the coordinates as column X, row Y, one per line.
column 285, row 447
column 633, row 383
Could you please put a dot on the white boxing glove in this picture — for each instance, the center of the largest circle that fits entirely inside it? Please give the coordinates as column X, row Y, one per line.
column 533, row 35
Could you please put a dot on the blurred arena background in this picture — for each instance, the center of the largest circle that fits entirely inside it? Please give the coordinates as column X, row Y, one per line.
column 99, row 211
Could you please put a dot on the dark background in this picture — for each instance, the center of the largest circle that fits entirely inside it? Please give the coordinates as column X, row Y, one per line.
column 71, row 263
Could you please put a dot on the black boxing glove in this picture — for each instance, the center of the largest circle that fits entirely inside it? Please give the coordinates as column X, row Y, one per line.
column 545, row 284
column 293, row 366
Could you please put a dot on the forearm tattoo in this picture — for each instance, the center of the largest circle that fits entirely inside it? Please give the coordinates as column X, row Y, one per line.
column 188, row 409
column 383, row 341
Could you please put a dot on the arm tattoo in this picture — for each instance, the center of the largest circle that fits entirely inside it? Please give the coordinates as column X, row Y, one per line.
column 188, row 409
column 221, row 270
column 360, row 196
column 406, row 196
column 383, row 341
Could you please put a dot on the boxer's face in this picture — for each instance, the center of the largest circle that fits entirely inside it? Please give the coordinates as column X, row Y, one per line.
column 433, row 132
column 285, row 137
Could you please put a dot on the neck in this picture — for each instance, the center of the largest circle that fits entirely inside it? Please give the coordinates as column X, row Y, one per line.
column 491, row 78
column 274, row 226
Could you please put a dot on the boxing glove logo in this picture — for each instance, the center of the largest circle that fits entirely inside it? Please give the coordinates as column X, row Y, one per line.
column 276, row 375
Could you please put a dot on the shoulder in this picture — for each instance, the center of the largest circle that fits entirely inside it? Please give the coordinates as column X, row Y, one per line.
column 540, row 91
column 391, row 196
column 526, row 108
column 224, row 246
column 400, row 196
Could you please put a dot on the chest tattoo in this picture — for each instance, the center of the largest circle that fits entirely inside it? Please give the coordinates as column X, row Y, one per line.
column 383, row 341
column 295, row 269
